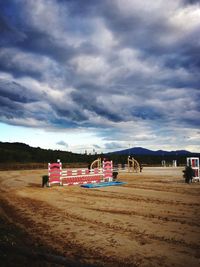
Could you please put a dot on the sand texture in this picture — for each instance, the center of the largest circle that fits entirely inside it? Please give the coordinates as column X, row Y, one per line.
column 153, row 220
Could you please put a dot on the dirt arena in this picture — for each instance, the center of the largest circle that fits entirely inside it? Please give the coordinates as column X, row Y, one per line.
column 153, row 220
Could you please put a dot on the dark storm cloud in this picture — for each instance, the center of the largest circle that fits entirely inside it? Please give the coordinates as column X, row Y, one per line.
column 191, row 1
column 15, row 92
column 8, row 107
column 89, row 102
column 10, row 34
column 6, row 65
column 74, row 115
column 19, row 105
column 62, row 143
column 42, row 44
column 10, row 110
column 100, row 64
column 145, row 113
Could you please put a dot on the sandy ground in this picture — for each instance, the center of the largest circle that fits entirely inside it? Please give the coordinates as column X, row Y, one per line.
column 153, row 220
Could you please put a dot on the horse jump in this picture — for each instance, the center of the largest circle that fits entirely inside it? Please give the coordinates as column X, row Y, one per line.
column 57, row 175
column 133, row 165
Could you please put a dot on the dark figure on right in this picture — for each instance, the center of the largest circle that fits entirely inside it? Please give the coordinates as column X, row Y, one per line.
column 140, row 167
column 188, row 174
column 115, row 173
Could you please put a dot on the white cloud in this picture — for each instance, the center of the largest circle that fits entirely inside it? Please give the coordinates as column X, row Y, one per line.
column 145, row 8
column 89, row 65
column 186, row 19
column 103, row 39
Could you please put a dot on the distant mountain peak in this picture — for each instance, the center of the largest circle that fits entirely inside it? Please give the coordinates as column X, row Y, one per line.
column 145, row 151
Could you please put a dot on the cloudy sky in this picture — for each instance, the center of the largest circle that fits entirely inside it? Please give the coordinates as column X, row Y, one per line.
column 103, row 75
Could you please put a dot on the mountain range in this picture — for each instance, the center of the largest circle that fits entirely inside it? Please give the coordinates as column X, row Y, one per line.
column 144, row 151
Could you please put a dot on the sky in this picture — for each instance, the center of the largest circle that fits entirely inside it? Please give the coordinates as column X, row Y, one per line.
column 101, row 76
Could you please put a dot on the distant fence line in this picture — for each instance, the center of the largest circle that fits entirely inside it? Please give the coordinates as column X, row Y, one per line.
column 35, row 166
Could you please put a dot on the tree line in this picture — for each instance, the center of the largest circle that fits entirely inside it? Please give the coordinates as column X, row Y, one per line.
column 22, row 153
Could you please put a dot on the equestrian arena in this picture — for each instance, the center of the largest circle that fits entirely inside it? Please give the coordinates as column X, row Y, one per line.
column 152, row 220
